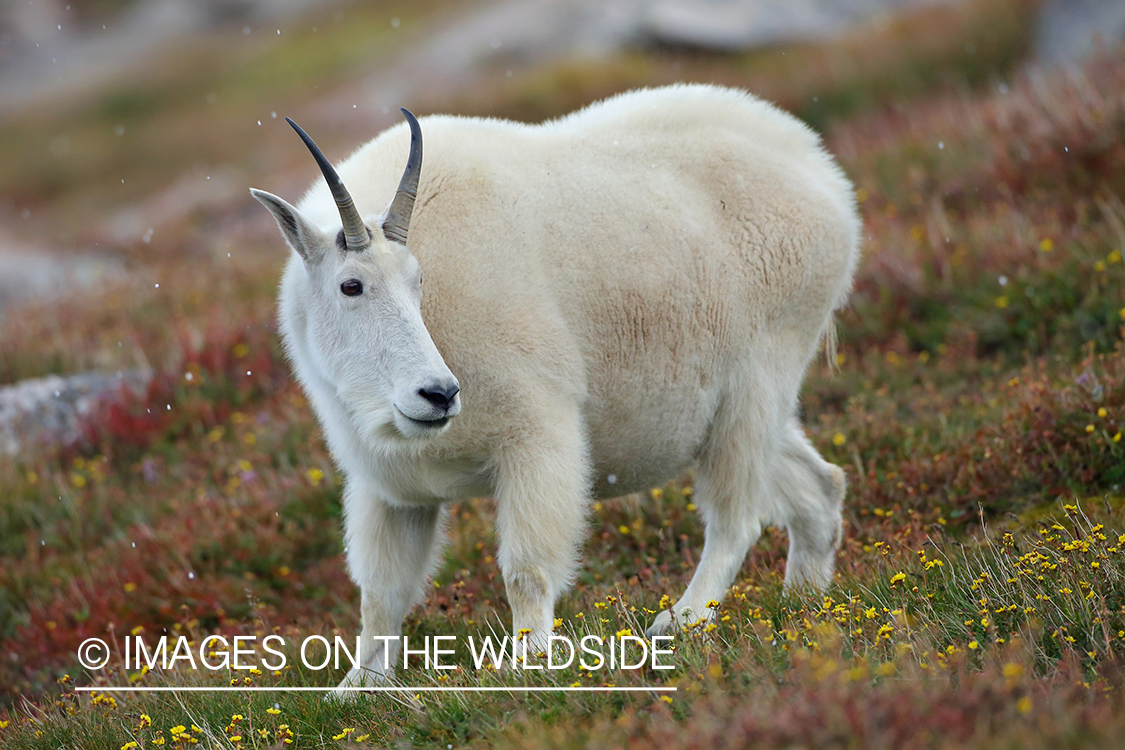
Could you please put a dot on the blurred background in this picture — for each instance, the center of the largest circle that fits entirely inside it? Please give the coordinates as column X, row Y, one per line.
column 130, row 129
column 159, row 466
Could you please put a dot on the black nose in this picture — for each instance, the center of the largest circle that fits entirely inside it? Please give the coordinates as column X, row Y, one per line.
column 439, row 395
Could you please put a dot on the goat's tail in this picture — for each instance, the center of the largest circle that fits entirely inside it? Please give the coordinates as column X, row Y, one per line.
column 830, row 342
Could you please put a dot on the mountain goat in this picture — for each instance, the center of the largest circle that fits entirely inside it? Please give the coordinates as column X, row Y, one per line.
column 609, row 298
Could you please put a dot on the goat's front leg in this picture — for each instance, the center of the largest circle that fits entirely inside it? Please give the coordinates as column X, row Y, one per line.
column 391, row 551
column 541, row 500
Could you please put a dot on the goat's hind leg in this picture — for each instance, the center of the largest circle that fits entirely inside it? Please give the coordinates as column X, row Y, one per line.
column 810, row 494
column 731, row 492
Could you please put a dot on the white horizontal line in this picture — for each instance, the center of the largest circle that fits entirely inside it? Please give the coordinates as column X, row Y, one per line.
column 379, row 689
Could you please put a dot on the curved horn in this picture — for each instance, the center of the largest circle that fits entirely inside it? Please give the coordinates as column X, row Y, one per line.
column 356, row 236
column 397, row 223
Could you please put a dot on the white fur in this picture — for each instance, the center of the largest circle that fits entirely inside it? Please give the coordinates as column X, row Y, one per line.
column 630, row 290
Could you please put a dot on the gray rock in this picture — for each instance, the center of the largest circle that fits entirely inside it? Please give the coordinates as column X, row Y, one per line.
column 28, row 274
column 50, row 409
column 739, row 25
column 1070, row 31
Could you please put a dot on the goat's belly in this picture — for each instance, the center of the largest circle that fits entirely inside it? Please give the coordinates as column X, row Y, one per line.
column 646, row 450
column 647, row 415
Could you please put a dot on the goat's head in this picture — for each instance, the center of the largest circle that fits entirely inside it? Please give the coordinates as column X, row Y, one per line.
column 362, row 292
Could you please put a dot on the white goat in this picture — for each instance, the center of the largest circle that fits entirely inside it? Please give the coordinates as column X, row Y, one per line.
column 622, row 293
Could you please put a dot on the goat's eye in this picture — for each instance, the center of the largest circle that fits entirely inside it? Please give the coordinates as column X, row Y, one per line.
column 352, row 288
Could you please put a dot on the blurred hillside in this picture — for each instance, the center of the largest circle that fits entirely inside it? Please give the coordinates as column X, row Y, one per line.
column 124, row 123
column 130, row 130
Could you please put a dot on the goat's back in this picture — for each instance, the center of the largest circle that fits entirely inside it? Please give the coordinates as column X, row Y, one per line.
column 631, row 256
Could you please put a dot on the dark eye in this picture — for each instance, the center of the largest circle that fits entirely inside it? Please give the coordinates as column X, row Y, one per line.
column 352, row 287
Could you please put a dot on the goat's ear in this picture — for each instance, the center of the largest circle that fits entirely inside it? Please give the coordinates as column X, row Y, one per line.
column 296, row 229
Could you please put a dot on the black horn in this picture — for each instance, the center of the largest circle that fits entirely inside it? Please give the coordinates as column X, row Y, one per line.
column 356, row 236
column 397, row 224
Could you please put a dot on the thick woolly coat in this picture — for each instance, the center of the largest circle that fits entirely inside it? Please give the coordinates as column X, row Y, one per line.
column 621, row 293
